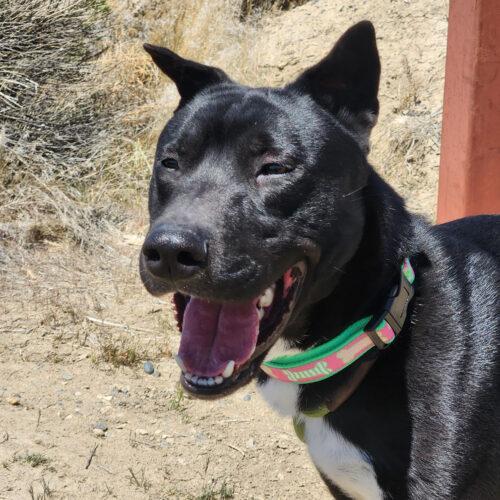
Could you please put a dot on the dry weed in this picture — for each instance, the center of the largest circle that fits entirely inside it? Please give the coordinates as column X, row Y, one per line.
column 81, row 105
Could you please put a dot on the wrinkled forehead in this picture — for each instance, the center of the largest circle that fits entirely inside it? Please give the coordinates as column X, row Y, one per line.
column 257, row 120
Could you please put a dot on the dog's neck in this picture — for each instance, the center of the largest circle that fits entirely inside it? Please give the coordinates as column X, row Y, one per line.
column 366, row 280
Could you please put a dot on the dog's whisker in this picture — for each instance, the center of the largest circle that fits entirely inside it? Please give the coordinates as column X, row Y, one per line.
column 353, row 192
column 339, row 270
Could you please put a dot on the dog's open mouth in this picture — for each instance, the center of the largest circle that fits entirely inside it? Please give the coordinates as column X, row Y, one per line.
column 223, row 344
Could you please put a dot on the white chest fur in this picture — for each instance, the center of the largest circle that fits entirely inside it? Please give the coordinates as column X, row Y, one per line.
column 339, row 460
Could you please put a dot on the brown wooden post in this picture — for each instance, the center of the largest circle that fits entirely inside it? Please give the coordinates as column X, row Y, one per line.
column 469, row 174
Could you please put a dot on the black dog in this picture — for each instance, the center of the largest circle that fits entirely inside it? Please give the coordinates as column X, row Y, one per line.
column 276, row 234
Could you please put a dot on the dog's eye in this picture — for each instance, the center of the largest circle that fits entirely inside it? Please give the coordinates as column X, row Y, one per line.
column 274, row 169
column 170, row 163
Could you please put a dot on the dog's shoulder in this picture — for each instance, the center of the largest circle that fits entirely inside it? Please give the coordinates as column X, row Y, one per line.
column 458, row 289
column 462, row 255
column 480, row 233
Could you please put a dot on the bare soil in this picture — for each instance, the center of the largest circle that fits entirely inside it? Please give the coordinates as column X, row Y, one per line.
column 76, row 326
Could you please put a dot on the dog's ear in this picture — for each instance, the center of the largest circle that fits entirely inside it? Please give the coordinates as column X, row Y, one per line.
column 346, row 81
column 189, row 77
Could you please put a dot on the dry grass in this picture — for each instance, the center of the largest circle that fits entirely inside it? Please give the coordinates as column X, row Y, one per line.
column 53, row 117
column 119, row 355
column 81, row 105
column 35, row 459
column 216, row 490
column 409, row 140
column 46, row 491
column 255, row 8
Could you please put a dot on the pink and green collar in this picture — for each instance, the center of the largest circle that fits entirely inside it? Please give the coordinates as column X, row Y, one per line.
column 330, row 358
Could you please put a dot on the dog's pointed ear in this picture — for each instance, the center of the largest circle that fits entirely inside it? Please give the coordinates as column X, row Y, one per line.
column 189, row 77
column 346, row 81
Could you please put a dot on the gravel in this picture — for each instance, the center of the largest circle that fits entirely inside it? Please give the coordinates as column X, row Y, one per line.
column 149, row 367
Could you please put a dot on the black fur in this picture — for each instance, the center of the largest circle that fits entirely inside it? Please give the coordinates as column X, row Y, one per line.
column 427, row 414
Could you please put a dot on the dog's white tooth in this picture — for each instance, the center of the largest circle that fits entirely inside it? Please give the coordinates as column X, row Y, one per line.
column 260, row 312
column 188, row 376
column 211, row 381
column 218, row 379
column 179, row 361
column 228, row 371
column 202, row 381
column 194, row 379
column 266, row 299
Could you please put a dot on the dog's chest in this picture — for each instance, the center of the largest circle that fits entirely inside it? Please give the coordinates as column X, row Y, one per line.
column 344, row 464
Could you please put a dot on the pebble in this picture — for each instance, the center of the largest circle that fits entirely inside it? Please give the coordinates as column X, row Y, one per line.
column 67, row 376
column 101, row 424
column 199, row 436
column 102, row 397
column 141, row 432
column 14, row 401
column 149, row 367
column 250, row 443
column 247, row 397
column 99, row 432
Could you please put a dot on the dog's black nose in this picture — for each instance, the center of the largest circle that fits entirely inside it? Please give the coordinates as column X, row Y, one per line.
column 174, row 252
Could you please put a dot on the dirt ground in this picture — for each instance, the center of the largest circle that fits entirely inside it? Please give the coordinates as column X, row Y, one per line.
column 79, row 416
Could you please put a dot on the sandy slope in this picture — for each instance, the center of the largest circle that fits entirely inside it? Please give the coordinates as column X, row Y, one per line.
column 53, row 359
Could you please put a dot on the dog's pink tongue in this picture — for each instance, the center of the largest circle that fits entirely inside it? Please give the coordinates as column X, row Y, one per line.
column 213, row 334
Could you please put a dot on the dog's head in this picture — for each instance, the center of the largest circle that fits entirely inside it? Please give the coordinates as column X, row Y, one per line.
column 253, row 203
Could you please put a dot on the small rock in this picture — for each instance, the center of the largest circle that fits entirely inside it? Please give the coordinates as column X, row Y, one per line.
column 99, row 432
column 157, row 432
column 141, row 432
column 67, row 376
column 199, row 436
column 101, row 424
column 78, row 394
column 149, row 367
column 14, row 400
column 247, row 397
column 250, row 443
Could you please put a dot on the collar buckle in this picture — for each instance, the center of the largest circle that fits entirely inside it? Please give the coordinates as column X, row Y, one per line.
column 394, row 313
